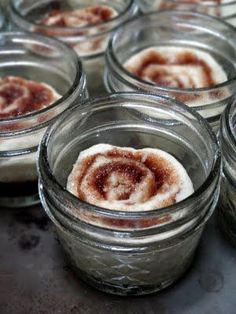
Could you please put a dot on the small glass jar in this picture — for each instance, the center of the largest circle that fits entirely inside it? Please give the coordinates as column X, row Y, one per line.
column 120, row 252
column 227, row 204
column 41, row 59
column 88, row 41
column 225, row 9
column 182, row 30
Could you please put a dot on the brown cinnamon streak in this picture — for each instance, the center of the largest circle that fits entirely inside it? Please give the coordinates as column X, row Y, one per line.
column 131, row 172
column 130, row 169
column 93, row 15
column 38, row 96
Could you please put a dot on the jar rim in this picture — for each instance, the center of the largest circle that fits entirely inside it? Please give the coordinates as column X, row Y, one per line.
column 78, row 80
column 115, row 19
column 43, row 163
column 111, row 55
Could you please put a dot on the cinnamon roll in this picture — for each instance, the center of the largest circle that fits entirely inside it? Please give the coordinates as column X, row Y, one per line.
column 178, row 68
column 126, row 179
column 19, row 96
column 95, row 15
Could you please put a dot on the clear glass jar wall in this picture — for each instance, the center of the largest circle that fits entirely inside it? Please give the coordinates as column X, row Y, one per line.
column 202, row 35
column 33, row 57
column 227, row 205
column 120, row 252
column 89, row 41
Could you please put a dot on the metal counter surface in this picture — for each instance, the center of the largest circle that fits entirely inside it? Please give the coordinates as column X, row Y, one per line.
column 35, row 278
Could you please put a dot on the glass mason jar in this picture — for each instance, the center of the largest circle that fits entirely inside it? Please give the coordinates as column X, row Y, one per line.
column 227, row 204
column 181, row 30
column 120, row 252
column 41, row 59
column 88, row 41
column 224, row 9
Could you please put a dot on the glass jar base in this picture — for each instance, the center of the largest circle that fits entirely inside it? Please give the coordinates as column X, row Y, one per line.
column 123, row 289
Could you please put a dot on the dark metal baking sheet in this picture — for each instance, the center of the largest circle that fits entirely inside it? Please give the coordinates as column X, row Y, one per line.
column 35, row 278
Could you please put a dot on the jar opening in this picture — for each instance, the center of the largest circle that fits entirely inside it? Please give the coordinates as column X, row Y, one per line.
column 126, row 105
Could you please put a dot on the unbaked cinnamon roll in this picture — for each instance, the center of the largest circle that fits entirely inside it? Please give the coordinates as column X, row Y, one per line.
column 92, row 15
column 19, row 96
column 126, row 179
column 178, row 68
column 95, row 15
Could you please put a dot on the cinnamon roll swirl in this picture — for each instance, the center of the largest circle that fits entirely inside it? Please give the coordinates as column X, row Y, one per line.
column 95, row 15
column 126, row 179
column 92, row 15
column 19, row 96
column 178, row 68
